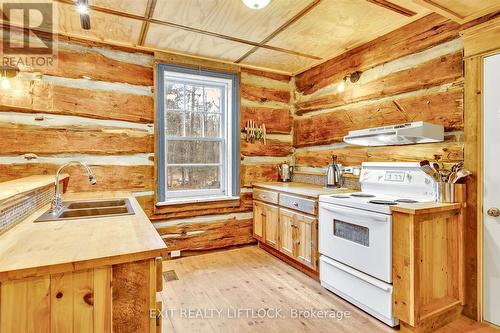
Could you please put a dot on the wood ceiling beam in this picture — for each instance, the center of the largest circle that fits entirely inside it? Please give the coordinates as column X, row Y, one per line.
column 393, row 7
column 284, row 26
column 150, row 8
column 191, row 29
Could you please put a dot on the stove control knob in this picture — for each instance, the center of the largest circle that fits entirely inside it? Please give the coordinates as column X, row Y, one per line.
column 409, row 177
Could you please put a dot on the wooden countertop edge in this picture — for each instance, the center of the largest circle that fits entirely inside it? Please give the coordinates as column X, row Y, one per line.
column 274, row 186
column 88, row 263
column 407, row 209
column 81, row 265
column 24, row 185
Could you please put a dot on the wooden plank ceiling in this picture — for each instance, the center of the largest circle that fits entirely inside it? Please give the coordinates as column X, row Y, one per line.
column 287, row 36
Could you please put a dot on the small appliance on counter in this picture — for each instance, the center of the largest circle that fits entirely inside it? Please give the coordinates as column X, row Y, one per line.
column 286, row 172
column 333, row 174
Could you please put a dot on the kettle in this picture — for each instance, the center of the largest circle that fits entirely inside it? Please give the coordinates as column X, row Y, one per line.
column 285, row 172
column 333, row 174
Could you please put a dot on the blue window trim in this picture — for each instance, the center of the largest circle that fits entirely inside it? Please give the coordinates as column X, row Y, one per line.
column 160, row 119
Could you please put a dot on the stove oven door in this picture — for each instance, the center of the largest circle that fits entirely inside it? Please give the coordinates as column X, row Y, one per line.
column 357, row 238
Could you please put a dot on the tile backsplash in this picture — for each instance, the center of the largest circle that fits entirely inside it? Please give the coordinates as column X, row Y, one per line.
column 20, row 209
column 319, row 179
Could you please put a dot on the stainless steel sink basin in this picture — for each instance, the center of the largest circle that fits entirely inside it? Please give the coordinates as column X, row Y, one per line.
column 97, row 204
column 89, row 209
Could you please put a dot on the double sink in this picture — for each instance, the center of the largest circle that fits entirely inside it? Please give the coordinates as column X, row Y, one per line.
column 89, row 209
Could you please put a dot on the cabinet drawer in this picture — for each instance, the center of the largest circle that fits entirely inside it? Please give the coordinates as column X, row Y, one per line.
column 300, row 204
column 267, row 196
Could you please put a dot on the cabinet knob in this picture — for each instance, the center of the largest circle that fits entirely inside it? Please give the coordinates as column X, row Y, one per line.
column 494, row 212
column 296, row 204
column 89, row 298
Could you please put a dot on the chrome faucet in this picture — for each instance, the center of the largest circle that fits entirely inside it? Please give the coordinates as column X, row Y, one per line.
column 57, row 200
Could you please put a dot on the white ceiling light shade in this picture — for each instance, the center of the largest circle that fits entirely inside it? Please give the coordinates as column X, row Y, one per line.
column 256, row 4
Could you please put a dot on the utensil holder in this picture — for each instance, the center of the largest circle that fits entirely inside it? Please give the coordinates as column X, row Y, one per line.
column 449, row 192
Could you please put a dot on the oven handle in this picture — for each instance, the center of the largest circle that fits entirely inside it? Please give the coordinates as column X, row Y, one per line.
column 371, row 280
column 356, row 214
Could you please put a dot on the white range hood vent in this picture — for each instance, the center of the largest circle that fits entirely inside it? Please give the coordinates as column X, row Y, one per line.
column 402, row 134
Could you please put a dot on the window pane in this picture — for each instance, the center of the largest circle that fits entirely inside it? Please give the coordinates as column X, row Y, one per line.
column 174, row 122
column 212, row 126
column 194, row 98
column 193, row 152
column 192, row 178
column 212, row 99
column 194, row 124
column 174, row 96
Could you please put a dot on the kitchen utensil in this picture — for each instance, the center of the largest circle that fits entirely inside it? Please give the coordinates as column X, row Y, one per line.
column 451, row 177
column 424, row 162
column 461, row 174
column 430, row 171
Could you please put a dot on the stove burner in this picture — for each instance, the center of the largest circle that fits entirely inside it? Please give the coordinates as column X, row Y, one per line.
column 339, row 196
column 382, row 202
column 406, row 201
column 362, row 195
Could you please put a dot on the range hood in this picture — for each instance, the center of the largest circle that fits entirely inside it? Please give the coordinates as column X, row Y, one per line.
column 402, row 134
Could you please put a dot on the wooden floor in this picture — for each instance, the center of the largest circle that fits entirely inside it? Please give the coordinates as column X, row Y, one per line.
column 217, row 292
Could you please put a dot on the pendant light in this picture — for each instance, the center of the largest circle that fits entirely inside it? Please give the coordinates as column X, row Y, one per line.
column 256, row 4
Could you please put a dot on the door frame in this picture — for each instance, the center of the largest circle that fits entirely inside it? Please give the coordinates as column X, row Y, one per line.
column 480, row 42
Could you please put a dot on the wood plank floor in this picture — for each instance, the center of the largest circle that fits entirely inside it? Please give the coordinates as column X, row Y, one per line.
column 249, row 290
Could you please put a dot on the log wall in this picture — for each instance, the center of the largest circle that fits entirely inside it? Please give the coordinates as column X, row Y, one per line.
column 415, row 73
column 97, row 105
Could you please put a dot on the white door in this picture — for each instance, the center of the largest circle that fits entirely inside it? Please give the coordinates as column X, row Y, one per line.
column 491, row 229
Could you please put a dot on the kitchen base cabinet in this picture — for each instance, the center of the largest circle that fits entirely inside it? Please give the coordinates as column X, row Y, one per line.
column 118, row 298
column 286, row 225
column 271, row 225
column 305, row 240
column 428, row 268
column 286, row 232
column 258, row 220
column 265, row 223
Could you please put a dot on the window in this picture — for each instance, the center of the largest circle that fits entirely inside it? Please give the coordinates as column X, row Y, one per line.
column 198, row 136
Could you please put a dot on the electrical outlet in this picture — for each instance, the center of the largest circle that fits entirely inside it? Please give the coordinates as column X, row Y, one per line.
column 175, row 253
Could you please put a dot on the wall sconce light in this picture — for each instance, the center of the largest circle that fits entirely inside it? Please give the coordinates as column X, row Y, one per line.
column 7, row 73
column 82, row 7
column 353, row 77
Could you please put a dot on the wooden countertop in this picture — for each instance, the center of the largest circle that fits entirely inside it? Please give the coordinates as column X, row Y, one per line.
column 313, row 191
column 304, row 189
column 425, row 207
column 30, row 249
column 23, row 185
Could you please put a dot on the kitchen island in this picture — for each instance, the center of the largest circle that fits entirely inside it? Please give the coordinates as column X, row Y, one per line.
column 87, row 274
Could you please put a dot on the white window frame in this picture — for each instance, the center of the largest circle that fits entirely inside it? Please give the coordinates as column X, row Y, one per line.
column 225, row 192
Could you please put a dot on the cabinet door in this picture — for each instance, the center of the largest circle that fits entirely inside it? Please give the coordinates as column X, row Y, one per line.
column 258, row 220
column 271, row 225
column 286, row 231
column 305, row 240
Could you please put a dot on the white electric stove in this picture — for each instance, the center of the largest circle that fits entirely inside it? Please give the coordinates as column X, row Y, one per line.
column 355, row 234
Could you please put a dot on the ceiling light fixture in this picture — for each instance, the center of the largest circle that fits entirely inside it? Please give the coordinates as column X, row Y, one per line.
column 82, row 7
column 256, row 4
column 5, row 83
column 353, row 77
column 6, row 74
